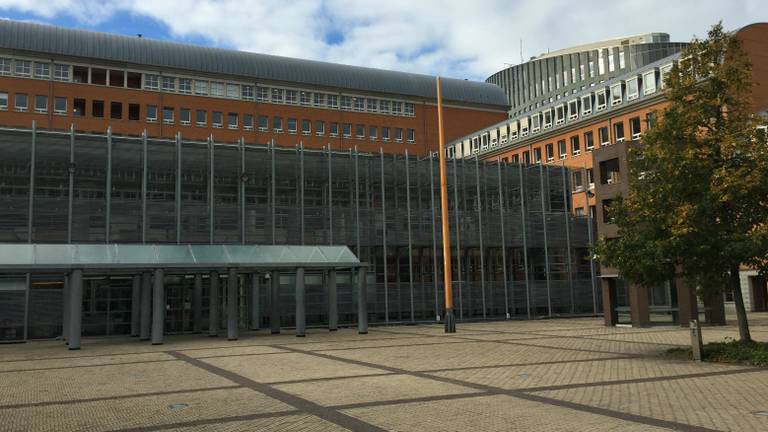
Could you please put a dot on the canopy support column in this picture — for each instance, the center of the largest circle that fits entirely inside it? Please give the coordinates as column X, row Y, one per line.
column 158, row 308
column 333, row 302
column 233, row 297
column 301, row 310
column 75, row 308
column 362, row 302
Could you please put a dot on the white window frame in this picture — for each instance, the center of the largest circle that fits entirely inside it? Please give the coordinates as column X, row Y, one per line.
column 201, row 88
column 58, row 111
column 232, row 91
column 305, row 98
column 303, row 122
column 616, row 100
column 246, row 126
column 6, row 66
column 604, row 94
column 172, row 120
column 148, row 118
column 663, row 72
column 181, row 116
column 262, row 93
column 214, row 124
column 649, row 82
column 186, row 85
column 573, row 109
column 547, row 118
column 291, row 97
column 24, row 65
column 168, row 83
column 536, row 123
column 4, row 97
column 560, row 114
column 217, row 89
column 151, row 82
column 237, row 121
column 45, row 70
column 632, row 95
column 318, row 99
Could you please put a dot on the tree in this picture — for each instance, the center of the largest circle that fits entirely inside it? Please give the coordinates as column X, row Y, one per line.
column 697, row 206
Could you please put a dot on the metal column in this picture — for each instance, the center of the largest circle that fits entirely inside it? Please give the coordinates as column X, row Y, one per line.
column 254, row 303
column 591, row 237
column 434, row 235
column 145, row 313
column 458, row 238
column 71, row 172
column 362, row 302
column 503, row 241
column 241, row 190
column 75, row 308
column 197, row 304
column 301, row 309
column 144, row 174
column 158, row 307
column 274, row 304
column 177, row 200
column 31, row 203
column 567, row 215
column 546, row 243
column 300, row 150
column 108, row 189
column 233, row 301
column 211, row 191
column 213, row 305
column 135, row 305
column 410, row 238
column 65, row 321
column 333, row 302
column 384, row 235
column 525, row 241
column 330, row 197
column 272, row 188
column 480, row 234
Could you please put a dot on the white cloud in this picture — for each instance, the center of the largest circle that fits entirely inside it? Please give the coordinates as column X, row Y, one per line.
column 456, row 38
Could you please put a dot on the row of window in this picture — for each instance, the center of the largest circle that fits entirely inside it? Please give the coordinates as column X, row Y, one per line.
column 234, row 121
column 201, row 87
column 595, row 101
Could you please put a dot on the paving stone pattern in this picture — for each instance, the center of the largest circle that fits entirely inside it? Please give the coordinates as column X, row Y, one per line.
column 547, row 375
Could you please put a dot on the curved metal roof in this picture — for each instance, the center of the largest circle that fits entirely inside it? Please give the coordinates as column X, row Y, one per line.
column 141, row 51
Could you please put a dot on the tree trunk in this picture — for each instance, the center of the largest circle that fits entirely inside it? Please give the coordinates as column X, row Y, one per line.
column 741, row 312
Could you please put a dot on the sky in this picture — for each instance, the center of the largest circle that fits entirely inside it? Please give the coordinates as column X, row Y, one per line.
column 467, row 39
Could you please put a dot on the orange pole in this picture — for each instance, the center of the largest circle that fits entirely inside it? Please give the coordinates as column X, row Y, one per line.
column 450, row 320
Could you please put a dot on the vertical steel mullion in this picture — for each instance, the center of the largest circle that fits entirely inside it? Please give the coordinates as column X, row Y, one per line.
column 241, row 190
column 330, row 196
column 145, row 174
column 357, row 203
column 480, row 233
column 273, row 186
column 503, row 241
column 546, row 242
column 384, row 234
column 31, row 200
column 591, row 238
column 211, row 189
column 525, row 242
column 108, row 189
column 410, row 238
column 300, row 150
column 434, row 233
column 71, row 171
column 178, row 188
column 458, row 237
column 567, row 215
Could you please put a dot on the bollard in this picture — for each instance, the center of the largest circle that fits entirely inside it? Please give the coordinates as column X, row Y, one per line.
column 697, row 346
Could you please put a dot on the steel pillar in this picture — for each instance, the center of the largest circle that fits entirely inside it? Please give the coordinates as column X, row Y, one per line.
column 75, row 308
column 274, row 304
column 301, row 309
column 145, row 314
column 197, row 304
column 213, row 305
column 135, row 305
column 362, row 302
column 333, row 302
column 158, row 307
column 254, row 303
column 233, row 297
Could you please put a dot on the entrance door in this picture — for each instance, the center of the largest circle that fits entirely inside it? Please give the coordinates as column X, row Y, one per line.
column 759, row 293
column 13, row 299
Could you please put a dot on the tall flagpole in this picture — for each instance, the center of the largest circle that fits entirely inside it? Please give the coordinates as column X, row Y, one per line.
column 450, row 319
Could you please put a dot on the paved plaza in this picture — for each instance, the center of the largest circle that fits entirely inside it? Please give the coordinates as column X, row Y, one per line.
column 553, row 375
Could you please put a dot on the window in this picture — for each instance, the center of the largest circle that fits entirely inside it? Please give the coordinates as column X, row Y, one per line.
column 411, row 136
column 621, row 59
column 277, row 124
column 263, row 123
column 359, row 103
column 373, row 133
column 604, row 138
column 616, row 96
column 410, row 109
column 589, row 140
column 535, row 123
column 185, row 85
column 59, row 105
column 133, row 80
column 217, row 89
column 277, row 95
column 561, row 148
column 168, row 115
column 248, row 122
column 586, row 105
column 98, row 76
column 649, row 82
column 385, row 133
column 116, row 78
column 578, row 181
column 346, row 102
column 79, row 74
column 5, row 66
column 201, row 88
column 97, row 109
column 134, row 112
column 526, row 157
column 398, row 134
column 372, row 105
column 384, row 106
column 590, row 178
column 217, row 119
column 609, row 171
column 633, row 89
column 550, row 152
column 319, row 99
column 233, row 91
column 515, row 159
column 232, row 120
column 537, row 155
column 23, row 68
column 333, row 101
column 291, row 97
column 573, row 109
column 579, row 211
column 262, row 94
column 601, row 102
column 663, row 72
column 634, row 127
column 397, row 108
column 575, row 145
column 292, row 125
column 305, row 98
column 319, row 127
column 333, row 129
column 548, row 118
column 42, row 70
column 116, row 110
column 201, row 117
column 185, row 116
column 41, row 104
column 151, row 82
column 78, row 107
column 306, row 127
column 581, row 72
column 360, row 131
column 650, row 120
column 347, row 130
column 611, row 62
column 618, row 131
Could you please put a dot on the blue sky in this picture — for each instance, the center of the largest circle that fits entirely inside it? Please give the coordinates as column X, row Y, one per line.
column 463, row 39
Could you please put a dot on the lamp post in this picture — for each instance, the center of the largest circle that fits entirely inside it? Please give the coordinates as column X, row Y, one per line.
column 450, row 319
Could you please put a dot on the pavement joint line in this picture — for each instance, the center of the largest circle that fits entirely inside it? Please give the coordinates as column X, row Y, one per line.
column 117, row 397
column 554, row 362
column 84, row 366
column 434, row 398
column 489, row 390
column 328, row 414
column 210, row 421
column 514, row 342
column 334, row 378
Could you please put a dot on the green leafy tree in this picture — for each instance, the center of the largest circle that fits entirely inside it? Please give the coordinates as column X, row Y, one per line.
column 697, row 206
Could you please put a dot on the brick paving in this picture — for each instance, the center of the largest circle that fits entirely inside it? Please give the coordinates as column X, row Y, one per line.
column 549, row 375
